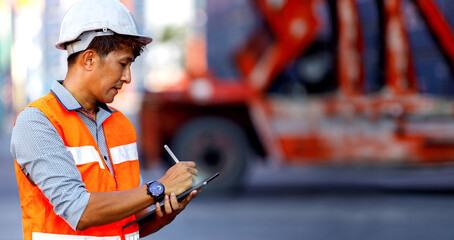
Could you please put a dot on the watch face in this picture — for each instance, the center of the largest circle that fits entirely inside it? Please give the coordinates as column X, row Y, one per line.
column 156, row 188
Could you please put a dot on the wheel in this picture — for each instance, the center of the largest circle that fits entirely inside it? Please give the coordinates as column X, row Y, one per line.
column 216, row 145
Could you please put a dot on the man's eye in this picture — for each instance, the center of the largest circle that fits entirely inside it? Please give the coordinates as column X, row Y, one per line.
column 123, row 64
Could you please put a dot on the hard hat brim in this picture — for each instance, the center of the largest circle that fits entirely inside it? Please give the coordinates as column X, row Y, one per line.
column 144, row 39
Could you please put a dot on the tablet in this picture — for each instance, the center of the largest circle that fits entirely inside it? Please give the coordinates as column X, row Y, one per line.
column 179, row 197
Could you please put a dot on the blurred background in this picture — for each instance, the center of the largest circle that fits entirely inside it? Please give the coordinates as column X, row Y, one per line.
column 327, row 119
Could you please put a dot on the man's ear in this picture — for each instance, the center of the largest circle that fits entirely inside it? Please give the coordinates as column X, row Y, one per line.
column 88, row 59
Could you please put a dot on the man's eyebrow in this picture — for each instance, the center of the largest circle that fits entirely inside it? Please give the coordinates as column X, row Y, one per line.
column 130, row 59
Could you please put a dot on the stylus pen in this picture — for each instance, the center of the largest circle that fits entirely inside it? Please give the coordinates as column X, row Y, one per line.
column 171, row 154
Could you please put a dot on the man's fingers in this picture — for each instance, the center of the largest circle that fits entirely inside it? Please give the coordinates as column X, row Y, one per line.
column 193, row 171
column 189, row 164
column 167, row 207
column 191, row 196
column 194, row 194
column 158, row 210
column 174, row 202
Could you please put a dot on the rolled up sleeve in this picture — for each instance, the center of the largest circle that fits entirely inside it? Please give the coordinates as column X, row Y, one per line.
column 44, row 158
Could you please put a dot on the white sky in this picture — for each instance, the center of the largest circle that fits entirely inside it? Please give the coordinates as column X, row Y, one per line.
column 169, row 12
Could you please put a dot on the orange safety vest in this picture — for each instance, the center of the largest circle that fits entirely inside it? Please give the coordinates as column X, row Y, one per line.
column 38, row 218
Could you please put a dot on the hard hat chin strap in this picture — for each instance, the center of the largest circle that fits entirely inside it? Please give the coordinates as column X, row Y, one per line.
column 85, row 39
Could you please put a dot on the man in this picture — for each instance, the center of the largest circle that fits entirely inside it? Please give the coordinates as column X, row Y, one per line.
column 76, row 159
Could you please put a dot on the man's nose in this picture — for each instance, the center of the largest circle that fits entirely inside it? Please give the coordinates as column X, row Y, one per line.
column 126, row 77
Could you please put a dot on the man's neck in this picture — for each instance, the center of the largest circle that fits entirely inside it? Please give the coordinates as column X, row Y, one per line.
column 81, row 95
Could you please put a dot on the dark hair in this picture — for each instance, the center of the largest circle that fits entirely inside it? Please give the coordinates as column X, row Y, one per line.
column 103, row 45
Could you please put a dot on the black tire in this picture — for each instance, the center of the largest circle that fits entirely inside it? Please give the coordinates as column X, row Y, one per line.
column 216, row 145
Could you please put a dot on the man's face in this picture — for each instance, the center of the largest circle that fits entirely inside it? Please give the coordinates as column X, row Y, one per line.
column 111, row 73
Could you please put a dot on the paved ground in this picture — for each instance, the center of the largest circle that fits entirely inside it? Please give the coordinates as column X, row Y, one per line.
column 325, row 204
column 297, row 203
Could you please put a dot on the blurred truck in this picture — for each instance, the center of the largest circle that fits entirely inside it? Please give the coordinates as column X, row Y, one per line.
column 312, row 82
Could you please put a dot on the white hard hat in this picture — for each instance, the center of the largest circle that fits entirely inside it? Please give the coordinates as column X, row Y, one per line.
column 87, row 19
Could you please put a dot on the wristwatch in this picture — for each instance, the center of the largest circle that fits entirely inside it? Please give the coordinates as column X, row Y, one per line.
column 156, row 190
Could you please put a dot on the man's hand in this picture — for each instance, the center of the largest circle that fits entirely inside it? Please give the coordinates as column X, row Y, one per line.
column 165, row 216
column 172, row 207
column 176, row 180
column 179, row 177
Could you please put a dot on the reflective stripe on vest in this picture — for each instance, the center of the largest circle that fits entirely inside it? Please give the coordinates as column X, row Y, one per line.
column 50, row 236
column 85, row 154
column 119, row 154
column 124, row 153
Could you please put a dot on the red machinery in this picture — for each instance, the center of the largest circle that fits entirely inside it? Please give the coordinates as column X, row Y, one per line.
column 219, row 123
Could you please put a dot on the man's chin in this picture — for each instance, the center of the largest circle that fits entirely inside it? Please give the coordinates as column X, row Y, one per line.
column 108, row 100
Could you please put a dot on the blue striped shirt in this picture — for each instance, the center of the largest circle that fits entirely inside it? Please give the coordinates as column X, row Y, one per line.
column 40, row 151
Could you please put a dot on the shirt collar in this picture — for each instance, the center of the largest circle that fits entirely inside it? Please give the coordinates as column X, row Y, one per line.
column 68, row 101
